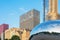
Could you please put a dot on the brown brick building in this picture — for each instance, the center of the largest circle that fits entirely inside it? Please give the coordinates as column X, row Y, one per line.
column 30, row 19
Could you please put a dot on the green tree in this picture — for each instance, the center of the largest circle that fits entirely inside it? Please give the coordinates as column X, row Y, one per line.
column 15, row 37
column 5, row 39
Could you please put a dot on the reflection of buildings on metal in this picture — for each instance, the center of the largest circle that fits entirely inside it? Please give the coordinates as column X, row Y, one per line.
column 3, row 27
column 45, row 36
column 49, row 26
column 53, row 11
column 22, row 33
column 30, row 19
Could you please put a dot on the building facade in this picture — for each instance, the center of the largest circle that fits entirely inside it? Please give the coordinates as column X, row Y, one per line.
column 3, row 28
column 53, row 11
column 21, row 33
column 30, row 19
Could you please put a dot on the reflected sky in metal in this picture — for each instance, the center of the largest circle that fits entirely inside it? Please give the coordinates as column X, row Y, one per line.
column 51, row 26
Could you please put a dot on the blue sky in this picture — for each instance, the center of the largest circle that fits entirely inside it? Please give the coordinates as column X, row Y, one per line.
column 10, row 10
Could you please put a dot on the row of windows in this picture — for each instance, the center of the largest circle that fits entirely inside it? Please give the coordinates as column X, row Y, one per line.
column 27, row 25
column 27, row 15
column 35, row 17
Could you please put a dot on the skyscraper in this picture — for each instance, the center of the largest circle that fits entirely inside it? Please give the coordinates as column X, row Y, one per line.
column 53, row 6
column 53, row 10
column 30, row 19
column 3, row 27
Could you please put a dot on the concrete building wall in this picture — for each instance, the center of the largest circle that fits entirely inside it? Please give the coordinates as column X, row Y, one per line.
column 53, row 11
column 51, row 16
column 13, row 31
column 22, row 33
column 26, row 35
column 30, row 19
column 53, row 6
column 59, row 17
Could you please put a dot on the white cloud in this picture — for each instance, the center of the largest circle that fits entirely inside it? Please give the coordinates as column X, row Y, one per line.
column 23, row 9
column 13, row 13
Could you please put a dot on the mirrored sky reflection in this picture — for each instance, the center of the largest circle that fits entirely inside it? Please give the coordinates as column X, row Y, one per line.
column 51, row 26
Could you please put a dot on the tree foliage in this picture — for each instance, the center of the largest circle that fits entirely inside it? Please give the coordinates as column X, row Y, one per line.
column 15, row 37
